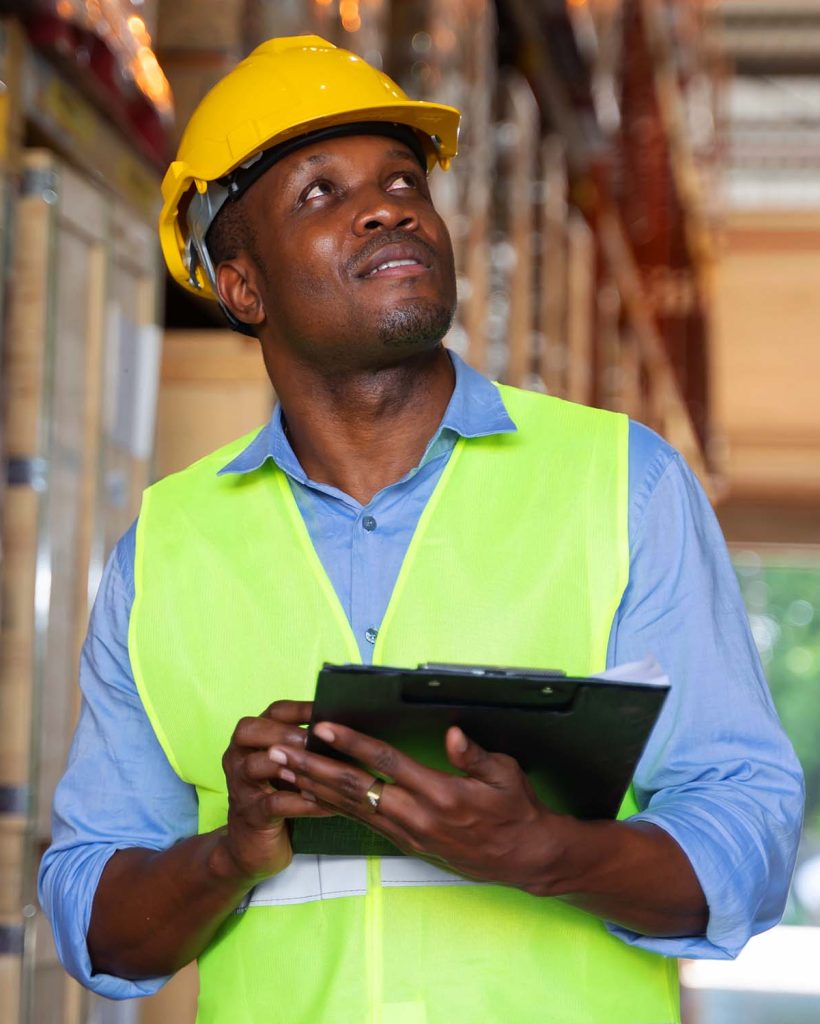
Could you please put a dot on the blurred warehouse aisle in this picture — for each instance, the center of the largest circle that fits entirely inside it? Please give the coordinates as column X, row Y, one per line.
column 766, row 362
column 766, row 302
column 636, row 217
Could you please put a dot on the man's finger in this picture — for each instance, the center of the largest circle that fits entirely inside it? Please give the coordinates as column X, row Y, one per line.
column 380, row 758
column 398, row 814
column 284, row 804
column 386, row 818
column 292, row 712
column 264, row 732
column 466, row 755
column 259, row 766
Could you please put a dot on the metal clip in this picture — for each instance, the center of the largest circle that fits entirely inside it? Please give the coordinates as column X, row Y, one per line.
column 13, row 800
column 11, row 940
column 42, row 181
column 27, row 472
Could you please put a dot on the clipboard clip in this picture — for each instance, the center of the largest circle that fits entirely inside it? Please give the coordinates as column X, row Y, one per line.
column 453, row 686
column 492, row 670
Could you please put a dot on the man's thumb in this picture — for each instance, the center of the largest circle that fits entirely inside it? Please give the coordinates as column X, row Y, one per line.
column 469, row 757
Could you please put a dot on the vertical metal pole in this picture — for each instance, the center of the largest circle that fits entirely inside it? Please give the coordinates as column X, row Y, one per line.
column 40, row 182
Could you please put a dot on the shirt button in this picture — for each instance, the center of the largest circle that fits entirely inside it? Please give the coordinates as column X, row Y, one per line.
column 369, row 524
column 370, row 635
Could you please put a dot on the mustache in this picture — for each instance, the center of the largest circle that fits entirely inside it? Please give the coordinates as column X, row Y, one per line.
column 372, row 246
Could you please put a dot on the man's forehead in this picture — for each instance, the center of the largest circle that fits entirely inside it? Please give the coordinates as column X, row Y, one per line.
column 328, row 150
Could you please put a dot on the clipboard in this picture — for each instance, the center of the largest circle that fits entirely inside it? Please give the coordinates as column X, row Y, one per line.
column 577, row 739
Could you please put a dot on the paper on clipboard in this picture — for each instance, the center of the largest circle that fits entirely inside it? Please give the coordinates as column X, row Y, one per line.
column 646, row 672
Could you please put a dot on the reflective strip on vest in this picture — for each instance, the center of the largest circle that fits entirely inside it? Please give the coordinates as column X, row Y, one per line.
column 315, row 877
column 520, row 557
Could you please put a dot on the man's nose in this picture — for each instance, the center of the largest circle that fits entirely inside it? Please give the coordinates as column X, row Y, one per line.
column 379, row 210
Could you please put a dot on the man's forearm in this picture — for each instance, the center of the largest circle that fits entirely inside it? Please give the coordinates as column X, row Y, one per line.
column 155, row 912
column 630, row 873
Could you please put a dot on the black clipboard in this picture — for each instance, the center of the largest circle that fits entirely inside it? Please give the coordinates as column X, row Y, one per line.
column 578, row 739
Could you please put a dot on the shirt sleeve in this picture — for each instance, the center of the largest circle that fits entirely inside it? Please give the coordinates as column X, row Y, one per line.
column 118, row 790
column 718, row 774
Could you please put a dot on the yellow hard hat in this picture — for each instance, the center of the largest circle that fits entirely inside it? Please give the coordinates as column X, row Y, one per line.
column 286, row 88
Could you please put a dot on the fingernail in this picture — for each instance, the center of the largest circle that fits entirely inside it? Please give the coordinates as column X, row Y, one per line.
column 461, row 740
column 277, row 755
column 287, row 775
column 324, row 732
column 308, row 796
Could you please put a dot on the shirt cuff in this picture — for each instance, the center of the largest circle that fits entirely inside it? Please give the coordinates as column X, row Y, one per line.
column 732, row 873
column 67, row 888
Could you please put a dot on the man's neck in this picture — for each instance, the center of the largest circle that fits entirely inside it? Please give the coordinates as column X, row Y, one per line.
column 365, row 430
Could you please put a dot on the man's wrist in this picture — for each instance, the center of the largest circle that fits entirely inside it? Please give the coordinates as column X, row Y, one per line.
column 630, row 873
column 552, row 863
column 226, row 868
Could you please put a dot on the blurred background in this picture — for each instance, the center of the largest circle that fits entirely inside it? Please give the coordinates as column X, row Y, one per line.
column 636, row 216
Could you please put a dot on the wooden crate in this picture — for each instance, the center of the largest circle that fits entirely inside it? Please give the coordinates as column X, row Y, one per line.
column 78, row 296
column 52, row 391
column 24, row 370
column 213, row 389
column 82, row 327
column 131, row 375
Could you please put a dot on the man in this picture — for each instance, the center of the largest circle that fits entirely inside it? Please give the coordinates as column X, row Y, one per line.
column 398, row 508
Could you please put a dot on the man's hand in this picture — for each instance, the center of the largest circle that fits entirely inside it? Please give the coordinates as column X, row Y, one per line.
column 155, row 911
column 487, row 824
column 256, row 838
column 490, row 825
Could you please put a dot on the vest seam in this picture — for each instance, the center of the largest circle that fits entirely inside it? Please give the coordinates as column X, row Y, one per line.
column 622, row 506
column 319, row 571
column 373, row 945
column 409, row 556
column 134, row 647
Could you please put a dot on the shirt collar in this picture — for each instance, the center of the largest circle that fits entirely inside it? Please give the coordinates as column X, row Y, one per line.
column 475, row 410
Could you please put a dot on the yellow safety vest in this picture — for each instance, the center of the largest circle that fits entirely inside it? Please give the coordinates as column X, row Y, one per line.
column 520, row 557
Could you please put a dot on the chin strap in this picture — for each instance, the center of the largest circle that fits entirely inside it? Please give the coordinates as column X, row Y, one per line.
column 238, row 325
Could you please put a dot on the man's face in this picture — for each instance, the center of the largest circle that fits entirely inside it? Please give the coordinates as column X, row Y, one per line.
column 354, row 264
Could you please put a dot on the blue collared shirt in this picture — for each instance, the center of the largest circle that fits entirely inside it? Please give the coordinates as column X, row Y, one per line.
column 718, row 773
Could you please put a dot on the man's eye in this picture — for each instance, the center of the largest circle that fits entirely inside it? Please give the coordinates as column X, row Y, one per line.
column 403, row 181
column 321, row 188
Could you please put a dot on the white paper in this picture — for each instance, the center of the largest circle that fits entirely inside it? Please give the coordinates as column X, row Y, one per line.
column 647, row 672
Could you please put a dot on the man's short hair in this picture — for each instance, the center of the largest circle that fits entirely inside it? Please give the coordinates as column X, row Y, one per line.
column 230, row 234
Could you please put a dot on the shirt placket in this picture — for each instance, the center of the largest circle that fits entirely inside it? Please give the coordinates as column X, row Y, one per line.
column 365, row 616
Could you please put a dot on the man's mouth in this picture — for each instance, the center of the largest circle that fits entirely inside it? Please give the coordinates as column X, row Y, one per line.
column 389, row 265
column 406, row 258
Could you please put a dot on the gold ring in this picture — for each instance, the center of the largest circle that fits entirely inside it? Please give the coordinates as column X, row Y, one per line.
column 374, row 794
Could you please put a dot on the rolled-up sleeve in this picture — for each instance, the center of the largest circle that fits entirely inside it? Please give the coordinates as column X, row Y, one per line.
column 719, row 774
column 118, row 790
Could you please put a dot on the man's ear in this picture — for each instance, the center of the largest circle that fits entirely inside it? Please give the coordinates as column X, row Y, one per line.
column 237, row 288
